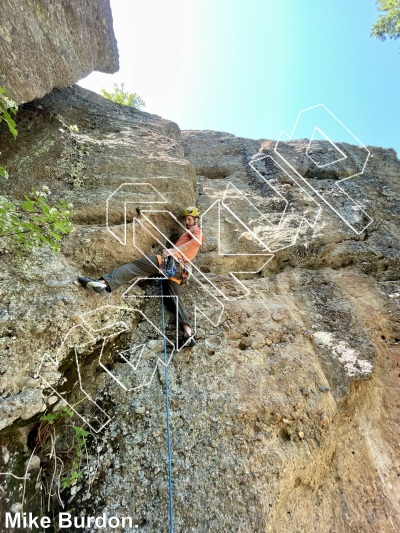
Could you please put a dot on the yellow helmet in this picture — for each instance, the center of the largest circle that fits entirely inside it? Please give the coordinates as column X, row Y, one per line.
column 191, row 211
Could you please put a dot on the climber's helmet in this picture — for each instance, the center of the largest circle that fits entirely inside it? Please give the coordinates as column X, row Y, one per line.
column 191, row 211
column 191, row 216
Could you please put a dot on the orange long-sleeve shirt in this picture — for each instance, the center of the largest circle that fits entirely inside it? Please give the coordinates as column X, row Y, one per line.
column 187, row 246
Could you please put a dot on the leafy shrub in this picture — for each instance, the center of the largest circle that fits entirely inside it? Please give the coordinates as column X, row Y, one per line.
column 60, row 446
column 34, row 221
column 120, row 95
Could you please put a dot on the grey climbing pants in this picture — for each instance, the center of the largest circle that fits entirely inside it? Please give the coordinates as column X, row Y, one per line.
column 149, row 267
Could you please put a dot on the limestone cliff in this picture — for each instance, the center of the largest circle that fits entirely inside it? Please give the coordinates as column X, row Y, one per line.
column 285, row 415
column 47, row 44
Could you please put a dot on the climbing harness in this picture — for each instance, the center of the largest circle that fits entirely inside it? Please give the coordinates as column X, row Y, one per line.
column 168, row 266
column 171, row 514
column 170, row 269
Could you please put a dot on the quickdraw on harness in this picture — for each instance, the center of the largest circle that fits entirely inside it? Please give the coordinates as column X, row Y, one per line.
column 168, row 266
column 170, row 269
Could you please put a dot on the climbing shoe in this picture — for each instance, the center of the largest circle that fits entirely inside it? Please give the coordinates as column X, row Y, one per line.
column 93, row 284
column 185, row 343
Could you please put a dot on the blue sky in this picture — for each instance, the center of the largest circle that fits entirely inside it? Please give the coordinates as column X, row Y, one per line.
column 248, row 67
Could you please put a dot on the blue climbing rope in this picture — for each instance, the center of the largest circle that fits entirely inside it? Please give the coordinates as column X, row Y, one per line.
column 171, row 513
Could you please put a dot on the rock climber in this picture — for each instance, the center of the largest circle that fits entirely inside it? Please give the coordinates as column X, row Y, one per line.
column 179, row 257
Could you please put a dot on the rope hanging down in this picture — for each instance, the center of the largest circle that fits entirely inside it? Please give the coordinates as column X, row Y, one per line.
column 171, row 514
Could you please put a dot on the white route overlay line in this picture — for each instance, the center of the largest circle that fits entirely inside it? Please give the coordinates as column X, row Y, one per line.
column 128, row 296
column 335, row 146
column 88, row 397
column 255, row 236
column 89, row 330
column 304, row 191
column 134, row 367
column 200, row 278
column 159, row 360
column 337, row 184
column 55, row 362
column 47, row 358
column 133, row 185
column 262, row 216
column 268, row 254
column 130, row 309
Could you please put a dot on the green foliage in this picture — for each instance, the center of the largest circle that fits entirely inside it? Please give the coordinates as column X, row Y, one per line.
column 34, row 222
column 3, row 173
column 7, row 106
column 74, row 473
column 73, row 128
column 58, row 437
column 50, row 418
column 388, row 24
column 120, row 95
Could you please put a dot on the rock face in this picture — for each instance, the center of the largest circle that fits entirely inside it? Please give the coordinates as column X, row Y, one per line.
column 48, row 44
column 285, row 415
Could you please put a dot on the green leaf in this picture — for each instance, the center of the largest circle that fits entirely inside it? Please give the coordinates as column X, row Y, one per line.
column 34, row 222
column 45, row 208
column 55, row 236
column 11, row 124
column 28, row 205
column 68, row 412
column 59, row 225
column 3, row 173
column 50, row 417
column 80, row 432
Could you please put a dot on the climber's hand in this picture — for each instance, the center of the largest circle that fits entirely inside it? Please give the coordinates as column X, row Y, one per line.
column 166, row 252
